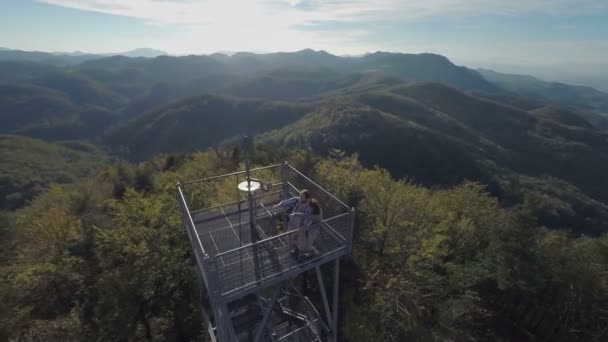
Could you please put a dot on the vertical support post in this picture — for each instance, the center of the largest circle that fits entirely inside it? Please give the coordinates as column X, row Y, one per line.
column 284, row 196
column 207, row 322
column 225, row 323
column 209, row 327
column 238, row 198
column 285, row 180
column 213, row 284
column 262, row 326
column 248, row 146
column 334, row 322
column 351, row 228
column 250, row 197
column 324, row 296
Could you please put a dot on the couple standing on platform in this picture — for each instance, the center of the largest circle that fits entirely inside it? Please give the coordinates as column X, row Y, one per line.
column 304, row 216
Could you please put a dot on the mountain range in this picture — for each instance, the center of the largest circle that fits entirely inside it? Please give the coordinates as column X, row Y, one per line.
column 418, row 115
column 71, row 58
column 553, row 92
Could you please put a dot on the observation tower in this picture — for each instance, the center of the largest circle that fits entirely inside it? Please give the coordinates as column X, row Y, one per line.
column 247, row 272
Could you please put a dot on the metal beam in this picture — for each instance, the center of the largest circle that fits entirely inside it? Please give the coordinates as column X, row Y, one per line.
column 230, row 174
column 324, row 295
column 193, row 226
column 225, row 323
column 262, row 326
column 334, row 326
column 287, row 273
column 284, row 179
column 208, row 326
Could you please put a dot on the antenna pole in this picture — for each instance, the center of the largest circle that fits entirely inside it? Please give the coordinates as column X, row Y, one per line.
column 250, row 194
column 248, row 147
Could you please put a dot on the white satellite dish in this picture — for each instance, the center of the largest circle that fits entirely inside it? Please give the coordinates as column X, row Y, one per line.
column 243, row 186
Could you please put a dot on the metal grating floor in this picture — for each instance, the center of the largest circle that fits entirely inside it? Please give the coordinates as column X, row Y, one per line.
column 240, row 261
column 227, row 227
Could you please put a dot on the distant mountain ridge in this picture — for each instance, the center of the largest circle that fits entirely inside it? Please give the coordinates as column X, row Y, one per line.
column 580, row 97
column 157, row 65
column 429, row 132
column 418, row 115
column 72, row 58
column 200, row 122
column 411, row 67
column 140, row 52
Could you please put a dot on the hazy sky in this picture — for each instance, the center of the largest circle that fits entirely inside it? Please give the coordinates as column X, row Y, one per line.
column 568, row 36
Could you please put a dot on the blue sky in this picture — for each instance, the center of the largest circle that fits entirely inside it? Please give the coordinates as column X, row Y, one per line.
column 550, row 37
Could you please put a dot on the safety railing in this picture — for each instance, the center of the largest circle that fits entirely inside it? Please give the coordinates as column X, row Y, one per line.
column 197, row 246
column 261, row 262
column 239, row 262
column 216, row 191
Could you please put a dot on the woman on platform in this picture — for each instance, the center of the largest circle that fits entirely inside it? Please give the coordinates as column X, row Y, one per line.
column 310, row 229
column 298, row 209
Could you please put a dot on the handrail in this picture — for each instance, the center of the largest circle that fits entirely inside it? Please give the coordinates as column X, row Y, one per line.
column 307, row 325
column 231, row 174
column 298, row 292
column 332, row 228
column 320, row 187
column 316, row 313
column 200, row 244
column 275, row 237
column 285, row 271
column 266, row 194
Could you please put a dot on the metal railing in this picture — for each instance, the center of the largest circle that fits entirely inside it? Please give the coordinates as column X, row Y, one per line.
column 197, row 245
column 264, row 261
column 253, row 262
column 237, row 173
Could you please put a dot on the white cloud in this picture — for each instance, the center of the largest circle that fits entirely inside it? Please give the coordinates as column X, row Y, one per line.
column 215, row 25
column 340, row 26
column 292, row 12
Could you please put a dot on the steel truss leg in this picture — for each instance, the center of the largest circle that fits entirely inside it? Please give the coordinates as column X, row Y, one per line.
column 328, row 315
column 262, row 327
column 207, row 322
column 334, row 322
column 208, row 325
column 224, row 323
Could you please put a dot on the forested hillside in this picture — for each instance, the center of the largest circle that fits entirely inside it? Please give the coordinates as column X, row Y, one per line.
column 436, row 135
column 29, row 166
column 57, row 107
column 553, row 92
column 518, row 143
column 199, row 123
column 107, row 259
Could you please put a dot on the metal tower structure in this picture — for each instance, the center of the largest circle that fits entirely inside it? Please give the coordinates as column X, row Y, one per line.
column 246, row 272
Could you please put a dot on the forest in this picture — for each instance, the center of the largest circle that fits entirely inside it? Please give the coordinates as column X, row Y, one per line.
column 106, row 258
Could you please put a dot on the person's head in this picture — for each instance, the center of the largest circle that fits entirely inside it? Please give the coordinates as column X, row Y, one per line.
column 316, row 208
column 305, row 196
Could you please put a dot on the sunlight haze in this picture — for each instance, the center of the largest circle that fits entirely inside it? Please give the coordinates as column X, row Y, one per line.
column 550, row 38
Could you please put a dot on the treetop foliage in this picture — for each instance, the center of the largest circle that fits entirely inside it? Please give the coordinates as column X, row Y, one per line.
column 92, row 262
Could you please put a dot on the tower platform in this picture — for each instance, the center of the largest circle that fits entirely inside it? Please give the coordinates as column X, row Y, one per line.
column 243, row 250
